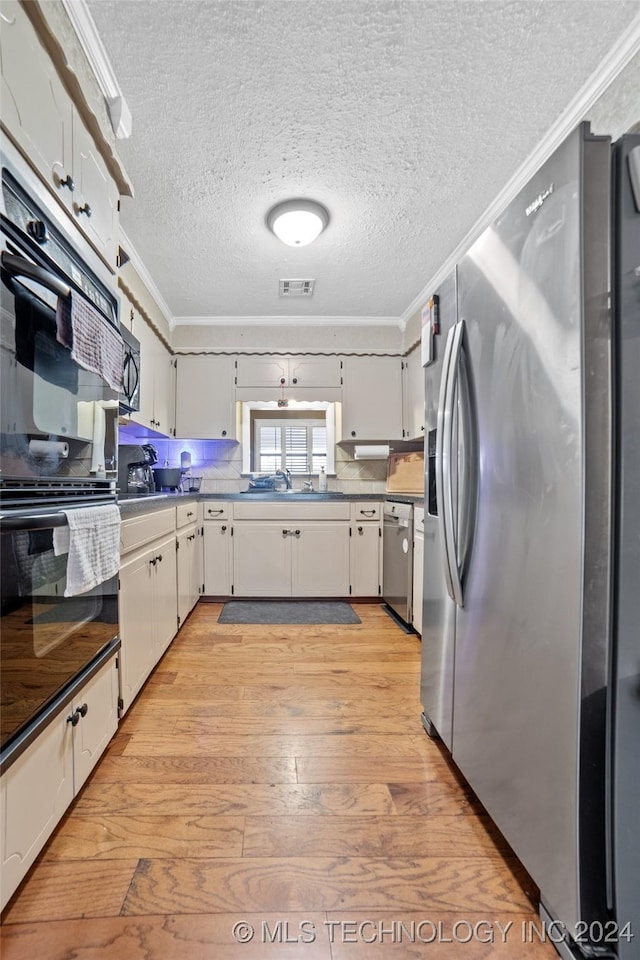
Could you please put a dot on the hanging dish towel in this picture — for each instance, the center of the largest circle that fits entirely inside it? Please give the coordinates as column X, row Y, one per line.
column 92, row 540
column 95, row 345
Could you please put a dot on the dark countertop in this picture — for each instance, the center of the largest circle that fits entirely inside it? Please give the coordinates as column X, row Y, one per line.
column 132, row 505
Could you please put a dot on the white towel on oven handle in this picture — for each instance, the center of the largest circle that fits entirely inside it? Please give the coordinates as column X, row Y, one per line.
column 92, row 540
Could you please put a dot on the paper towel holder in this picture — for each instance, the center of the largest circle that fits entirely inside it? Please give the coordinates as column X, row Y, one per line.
column 371, row 451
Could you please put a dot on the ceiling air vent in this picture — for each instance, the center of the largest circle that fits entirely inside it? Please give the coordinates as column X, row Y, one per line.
column 296, row 288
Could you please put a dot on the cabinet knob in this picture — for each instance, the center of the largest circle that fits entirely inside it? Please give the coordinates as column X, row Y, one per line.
column 284, row 533
column 68, row 182
column 159, row 558
column 360, row 529
column 85, row 209
column 83, row 710
column 189, row 513
column 282, row 381
column 224, row 433
column 295, row 379
column 153, row 561
column 353, row 433
column 74, row 719
column 223, row 529
column 297, row 532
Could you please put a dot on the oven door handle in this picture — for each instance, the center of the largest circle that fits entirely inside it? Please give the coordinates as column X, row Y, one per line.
column 20, row 267
column 40, row 522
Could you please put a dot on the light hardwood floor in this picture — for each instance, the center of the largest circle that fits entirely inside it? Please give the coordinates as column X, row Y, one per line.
column 278, row 776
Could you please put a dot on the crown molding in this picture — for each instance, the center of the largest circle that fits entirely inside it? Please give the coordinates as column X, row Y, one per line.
column 86, row 30
column 138, row 265
column 276, row 321
column 615, row 61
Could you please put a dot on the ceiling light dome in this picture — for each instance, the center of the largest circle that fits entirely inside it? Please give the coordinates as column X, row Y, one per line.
column 297, row 222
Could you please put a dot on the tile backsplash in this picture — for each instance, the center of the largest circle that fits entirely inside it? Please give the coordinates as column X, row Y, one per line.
column 219, row 463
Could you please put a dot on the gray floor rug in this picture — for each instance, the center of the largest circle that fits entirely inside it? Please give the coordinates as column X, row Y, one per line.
column 287, row 611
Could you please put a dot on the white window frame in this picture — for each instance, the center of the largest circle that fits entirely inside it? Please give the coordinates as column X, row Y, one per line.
column 329, row 422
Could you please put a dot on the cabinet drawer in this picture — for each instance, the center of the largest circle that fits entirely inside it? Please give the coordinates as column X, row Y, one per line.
column 186, row 513
column 363, row 510
column 137, row 531
column 217, row 509
column 291, row 512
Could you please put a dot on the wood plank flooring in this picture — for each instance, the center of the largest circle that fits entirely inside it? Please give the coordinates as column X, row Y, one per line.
column 276, row 776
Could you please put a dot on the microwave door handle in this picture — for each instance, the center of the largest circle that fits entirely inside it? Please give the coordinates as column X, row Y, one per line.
column 19, row 267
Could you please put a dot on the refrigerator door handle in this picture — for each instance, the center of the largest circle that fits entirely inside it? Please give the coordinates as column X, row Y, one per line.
column 442, row 469
column 449, row 459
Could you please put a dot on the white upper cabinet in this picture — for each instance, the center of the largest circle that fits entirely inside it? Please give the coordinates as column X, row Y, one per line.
column 205, row 406
column 40, row 117
column 413, row 396
column 372, row 398
column 302, row 372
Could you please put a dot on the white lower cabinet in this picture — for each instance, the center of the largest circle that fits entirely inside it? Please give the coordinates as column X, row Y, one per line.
column 218, row 552
column 188, row 541
column 148, row 601
column 39, row 786
column 366, row 549
column 418, row 566
column 320, row 559
column 261, row 559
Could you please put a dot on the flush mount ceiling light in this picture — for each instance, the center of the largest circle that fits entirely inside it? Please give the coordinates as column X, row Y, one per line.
column 297, row 222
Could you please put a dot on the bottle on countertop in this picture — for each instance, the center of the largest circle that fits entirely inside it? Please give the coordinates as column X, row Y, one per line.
column 322, row 481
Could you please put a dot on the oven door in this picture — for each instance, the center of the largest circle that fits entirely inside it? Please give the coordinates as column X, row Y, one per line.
column 47, row 640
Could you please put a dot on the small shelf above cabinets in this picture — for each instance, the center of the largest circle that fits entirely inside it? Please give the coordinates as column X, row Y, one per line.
column 205, row 405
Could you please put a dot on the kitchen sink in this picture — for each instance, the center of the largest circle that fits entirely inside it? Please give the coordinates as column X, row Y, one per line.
column 285, row 494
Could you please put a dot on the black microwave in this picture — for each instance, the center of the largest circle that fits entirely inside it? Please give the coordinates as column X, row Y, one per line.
column 130, row 396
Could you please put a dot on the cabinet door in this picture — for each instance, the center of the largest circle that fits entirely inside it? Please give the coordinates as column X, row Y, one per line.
column 372, row 398
column 95, row 729
column 36, row 109
column 196, row 561
column 136, row 611
column 205, row 407
column 183, row 570
column 165, row 597
column 218, row 544
column 34, row 793
column 262, row 559
column 262, row 371
column 365, row 559
column 320, row 560
column 164, row 389
column 315, row 371
column 95, row 198
column 413, row 396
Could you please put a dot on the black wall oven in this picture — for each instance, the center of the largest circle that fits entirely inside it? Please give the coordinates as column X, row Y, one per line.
column 49, row 643
column 58, row 450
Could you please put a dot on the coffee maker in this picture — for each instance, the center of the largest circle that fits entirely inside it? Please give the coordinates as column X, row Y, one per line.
column 135, row 475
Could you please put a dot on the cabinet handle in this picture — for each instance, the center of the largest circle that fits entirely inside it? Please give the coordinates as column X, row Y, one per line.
column 368, row 513
column 223, row 529
column 159, row 558
column 68, row 182
column 284, row 533
column 295, row 379
column 74, row 719
column 282, row 381
column 224, row 433
column 153, row 561
column 214, row 513
column 84, row 209
column 83, row 710
column 353, row 433
column 297, row 533
column 190, row 513
column 360, row 529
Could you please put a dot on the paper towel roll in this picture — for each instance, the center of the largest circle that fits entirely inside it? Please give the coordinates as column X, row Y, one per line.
column 378, row 451
column 48, row 448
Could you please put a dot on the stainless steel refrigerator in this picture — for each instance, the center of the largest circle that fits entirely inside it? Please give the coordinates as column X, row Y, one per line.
column 531, row 645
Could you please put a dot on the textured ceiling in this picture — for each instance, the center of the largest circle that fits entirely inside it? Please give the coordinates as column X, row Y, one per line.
column 405, row 119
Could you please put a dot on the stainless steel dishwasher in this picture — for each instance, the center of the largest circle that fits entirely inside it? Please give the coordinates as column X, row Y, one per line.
column 397, row 558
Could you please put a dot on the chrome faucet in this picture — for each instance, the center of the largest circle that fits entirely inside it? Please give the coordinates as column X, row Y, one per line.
column 308, row 486
column 286, row 476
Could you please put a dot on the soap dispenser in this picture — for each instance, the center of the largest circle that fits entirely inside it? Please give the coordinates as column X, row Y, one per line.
column 322, row 481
